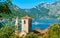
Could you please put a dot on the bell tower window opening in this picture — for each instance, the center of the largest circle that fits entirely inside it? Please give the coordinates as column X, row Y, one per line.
column 24, row 22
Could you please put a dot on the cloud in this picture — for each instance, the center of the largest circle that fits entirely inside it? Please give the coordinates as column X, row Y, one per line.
column 36, row 23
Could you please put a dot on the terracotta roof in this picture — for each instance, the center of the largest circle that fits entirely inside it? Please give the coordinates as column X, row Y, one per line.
column 42, row 31
column 26, row 17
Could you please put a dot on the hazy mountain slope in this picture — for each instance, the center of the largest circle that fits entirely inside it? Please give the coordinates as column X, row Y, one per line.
column 43, row 10
column 46, row 10
column 15, row 11
column 38, row 12
column 55, row 10
column 4, row 8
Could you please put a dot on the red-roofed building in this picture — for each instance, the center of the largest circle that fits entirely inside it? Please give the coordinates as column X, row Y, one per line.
column 41, row 31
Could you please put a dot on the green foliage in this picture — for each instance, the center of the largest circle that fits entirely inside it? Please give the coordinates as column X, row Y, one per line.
column 4, row 8
column 1, row 24
column 14, row 36
column 8, row 10
column 54, row 31
column 6, row 31
column 32, row 35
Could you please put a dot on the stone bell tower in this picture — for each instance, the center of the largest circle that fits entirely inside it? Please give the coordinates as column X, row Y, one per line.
column 26, row 25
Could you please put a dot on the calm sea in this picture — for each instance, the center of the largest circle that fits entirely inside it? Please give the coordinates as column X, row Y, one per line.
column 42, row 23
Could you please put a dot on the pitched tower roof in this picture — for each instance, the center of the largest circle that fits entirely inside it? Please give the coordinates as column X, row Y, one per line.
column 26, row 17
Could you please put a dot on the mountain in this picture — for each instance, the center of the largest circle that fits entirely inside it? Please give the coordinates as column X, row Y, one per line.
column 14, row 11
column 54, row 10
column 4, row 8
column 46, row 10
column 42, row 11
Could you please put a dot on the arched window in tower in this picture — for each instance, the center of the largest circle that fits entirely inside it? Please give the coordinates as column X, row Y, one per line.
column 24, row 22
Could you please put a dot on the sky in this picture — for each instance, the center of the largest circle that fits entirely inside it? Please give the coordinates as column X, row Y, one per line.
column 27, row 4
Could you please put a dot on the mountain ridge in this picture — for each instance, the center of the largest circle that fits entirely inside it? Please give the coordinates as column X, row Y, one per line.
column 41, row 11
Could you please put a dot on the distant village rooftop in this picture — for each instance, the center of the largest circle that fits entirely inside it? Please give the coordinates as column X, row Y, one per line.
column 41, row 31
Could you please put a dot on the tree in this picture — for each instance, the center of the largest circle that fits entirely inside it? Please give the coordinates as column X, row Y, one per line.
column 6, row 31
column 54, row 31
column 4, row 8
column 31, row 35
